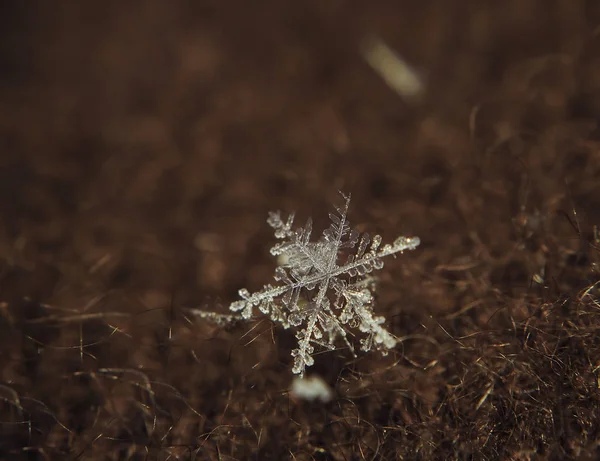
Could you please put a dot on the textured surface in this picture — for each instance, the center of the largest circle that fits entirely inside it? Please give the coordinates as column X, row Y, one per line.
column 142, row 145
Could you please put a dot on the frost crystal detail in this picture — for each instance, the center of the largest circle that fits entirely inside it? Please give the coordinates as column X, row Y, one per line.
column 324, row 286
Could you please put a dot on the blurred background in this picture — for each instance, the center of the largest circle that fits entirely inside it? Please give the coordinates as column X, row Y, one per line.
column 143, row 143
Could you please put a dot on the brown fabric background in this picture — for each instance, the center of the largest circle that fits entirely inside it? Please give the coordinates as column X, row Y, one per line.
column 142, row 145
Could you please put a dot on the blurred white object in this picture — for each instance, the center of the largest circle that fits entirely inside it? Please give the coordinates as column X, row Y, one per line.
column 395, row 71
column 311, row 388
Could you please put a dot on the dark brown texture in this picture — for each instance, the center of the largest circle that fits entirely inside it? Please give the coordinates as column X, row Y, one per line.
column 142, row 145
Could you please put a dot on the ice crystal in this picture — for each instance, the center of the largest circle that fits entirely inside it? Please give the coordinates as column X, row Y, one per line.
column 324, row 286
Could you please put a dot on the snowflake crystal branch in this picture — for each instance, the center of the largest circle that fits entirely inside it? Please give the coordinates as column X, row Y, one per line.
column 321, row 289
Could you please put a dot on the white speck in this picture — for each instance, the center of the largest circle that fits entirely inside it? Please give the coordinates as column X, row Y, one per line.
column 393, row 69
column 311, row 388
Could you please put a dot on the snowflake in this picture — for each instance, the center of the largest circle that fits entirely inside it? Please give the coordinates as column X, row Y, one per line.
column 324, row 285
